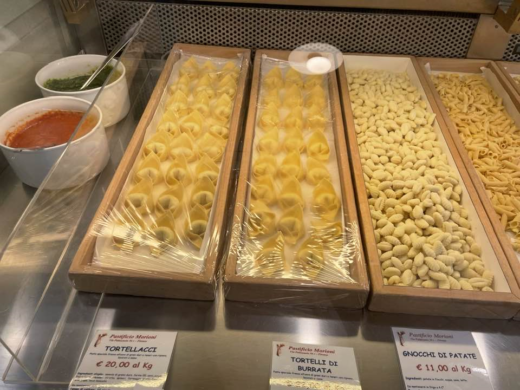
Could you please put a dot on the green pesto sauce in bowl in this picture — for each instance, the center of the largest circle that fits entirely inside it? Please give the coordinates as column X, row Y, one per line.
column 73, row 84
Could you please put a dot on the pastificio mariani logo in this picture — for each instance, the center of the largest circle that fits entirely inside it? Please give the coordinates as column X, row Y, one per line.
column 401, row 334
column 279, row 349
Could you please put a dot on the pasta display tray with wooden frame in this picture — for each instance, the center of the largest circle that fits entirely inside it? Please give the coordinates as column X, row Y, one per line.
column 485, row 129
column 431, row 247
column 160, row 229
column 295, row 236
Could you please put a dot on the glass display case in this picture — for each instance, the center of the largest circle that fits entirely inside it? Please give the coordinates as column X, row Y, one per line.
column 49, row 311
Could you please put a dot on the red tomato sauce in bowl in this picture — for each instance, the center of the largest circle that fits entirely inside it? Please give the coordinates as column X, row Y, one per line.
column 48, row 129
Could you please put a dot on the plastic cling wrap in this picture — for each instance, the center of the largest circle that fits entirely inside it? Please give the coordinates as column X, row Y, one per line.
column 295, row 229
column 163, row 220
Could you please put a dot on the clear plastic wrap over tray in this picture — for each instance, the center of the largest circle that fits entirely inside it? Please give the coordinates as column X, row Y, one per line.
column 295, row 225
column 169, row 211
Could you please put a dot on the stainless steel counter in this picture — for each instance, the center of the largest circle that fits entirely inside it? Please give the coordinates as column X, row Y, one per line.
column 221, row 345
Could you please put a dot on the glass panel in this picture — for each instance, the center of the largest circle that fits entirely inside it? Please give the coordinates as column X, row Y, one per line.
column 40, row 308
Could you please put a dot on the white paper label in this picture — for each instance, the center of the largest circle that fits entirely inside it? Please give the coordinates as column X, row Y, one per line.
column 444, row 360
column 306, row 366
column 119, row 359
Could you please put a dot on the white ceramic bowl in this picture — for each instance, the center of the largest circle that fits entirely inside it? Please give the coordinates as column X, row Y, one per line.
column 114, row 102
column 85, row 158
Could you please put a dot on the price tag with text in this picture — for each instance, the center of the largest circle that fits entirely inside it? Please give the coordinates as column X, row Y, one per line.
column 443, row 360
column 318, row 367
column 118, row 359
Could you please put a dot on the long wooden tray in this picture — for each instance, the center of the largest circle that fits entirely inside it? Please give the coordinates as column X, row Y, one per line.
column 88, row 277
column 411, row 300
column 293, row 291
column 507, row 82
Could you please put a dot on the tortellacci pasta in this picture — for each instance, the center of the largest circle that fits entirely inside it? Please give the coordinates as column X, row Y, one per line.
column 158, row 145
column 269, row 118
column 195, row 225
column 223, row 108
column 316, row 171
column 330, row 233
column 310, row 256
column 271, row 258
column 190, row 68
column 294, row 120
column 206, row 167
column 269, row 142
column 182, row 84
column 293, row 77
column 210, row 69
column 169, row 123
column 261, row 220
column 164, row 233
column 264, row 165
column 212, row 145
column 201, row 103
column 170, row 200
column 204, row 86
column 313, row 81
column 316, row 119
column 264, row 190
column 178, row 172
column 127, row 225
column 231, row 69
column 203, row 193
column 183, row 145
column 291, row 224
column 325, row 202
column 219, row 129
column 227, row 86
column 149, row 168
column 272, row 97
column 292, row 166
column 139, row 197
column 178, row 103
column 192, row 124
column 316, row 98
column 291, row 194
column 318, row 146
column 273, row 79
column 293, row 97
column 294, row 141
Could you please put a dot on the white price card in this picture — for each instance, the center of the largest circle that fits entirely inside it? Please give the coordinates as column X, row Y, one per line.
column 441, row 360
column 118, row 359
column 305, row 366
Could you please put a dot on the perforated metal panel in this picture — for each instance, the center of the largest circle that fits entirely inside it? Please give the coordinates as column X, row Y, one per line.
column 446, row 35
column 508, row 55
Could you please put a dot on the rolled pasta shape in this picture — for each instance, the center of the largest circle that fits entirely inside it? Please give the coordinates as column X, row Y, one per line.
column 293, row 141
column 316, row 98
column 178, row 103
column 206, row 167
column 192, row 124
column 316, row 120
column 292, row 166
column 269, row 143
column 201, row 103
column 273, row 79
column 210, row 69
column 164, row 233
column 139, row 197
column 325, row 202
column 318, row 146
column 158, row 145
column 170, row 200
column 293, row 77
column 310, row 256
column 227, row 86
column 293, row 97
column 190, row 68
column 230, row 68
column 204, row 86
column 178, row 172
column 203, row 193
column 264, row 165
column 219, row 130
column 316, row 171
column 291, row 224
column 261, row 220
column 294, row 120
column 291, row 194
column 183, row 145
column 223, row 108
column 264, row 190
column 212, row 145
column 313, row 81
column 169, row 127
column 196, row 225
column 272, row 97
column 269, row 118
column 271, row 258
column 182, row 84
column 149, row 168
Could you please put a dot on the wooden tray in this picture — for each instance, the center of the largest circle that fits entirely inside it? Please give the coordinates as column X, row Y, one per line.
column 293, row 291
column 411, row 300
column 509, row 85
column 88, row 277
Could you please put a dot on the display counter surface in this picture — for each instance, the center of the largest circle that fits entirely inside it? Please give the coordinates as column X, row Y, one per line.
column 220, row 345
